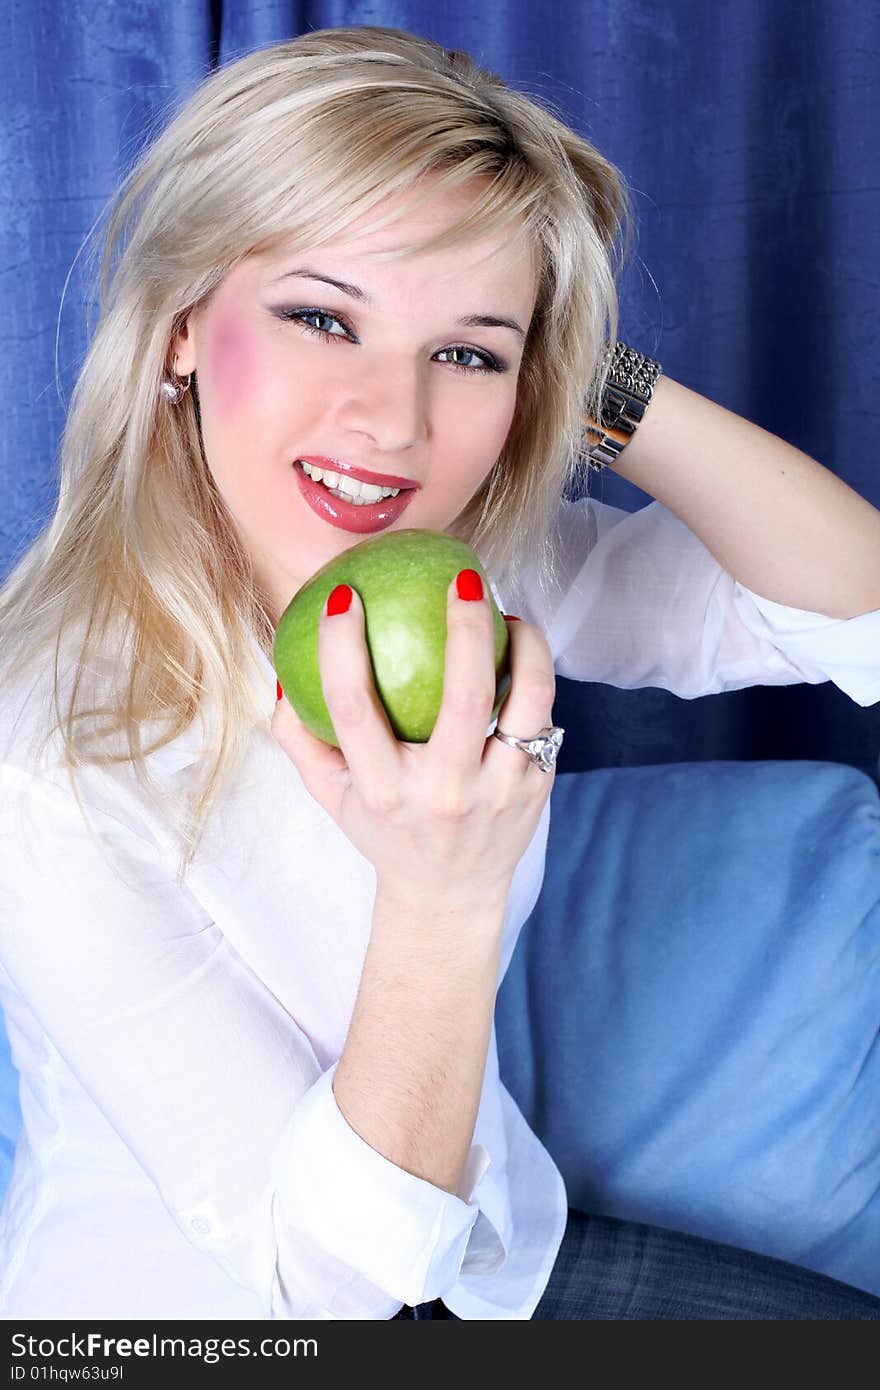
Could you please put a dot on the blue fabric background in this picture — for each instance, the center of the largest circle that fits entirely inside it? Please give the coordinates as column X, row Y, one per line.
column 747, row 131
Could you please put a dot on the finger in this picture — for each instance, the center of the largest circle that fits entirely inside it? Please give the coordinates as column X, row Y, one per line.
column 359, row 718
column 322, row 768
column 528, row 707
column 458, row 738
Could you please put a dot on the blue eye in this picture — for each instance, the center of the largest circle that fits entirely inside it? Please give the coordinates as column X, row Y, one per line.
column 487, row 363
column 301, row 314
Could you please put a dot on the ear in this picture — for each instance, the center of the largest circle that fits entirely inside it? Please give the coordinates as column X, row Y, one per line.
column 183, row 346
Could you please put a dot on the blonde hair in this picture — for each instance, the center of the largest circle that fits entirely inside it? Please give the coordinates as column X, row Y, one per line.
column 265, row 151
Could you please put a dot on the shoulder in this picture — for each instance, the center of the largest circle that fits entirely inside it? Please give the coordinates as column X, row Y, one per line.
column 536, row 583
column 26, row 720
column 34, row 705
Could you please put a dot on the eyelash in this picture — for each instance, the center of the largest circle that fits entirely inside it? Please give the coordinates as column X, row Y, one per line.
column 490, row 364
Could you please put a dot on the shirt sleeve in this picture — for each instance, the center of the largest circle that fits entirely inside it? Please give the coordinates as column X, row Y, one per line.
column 639, row 600
column 204, row 1075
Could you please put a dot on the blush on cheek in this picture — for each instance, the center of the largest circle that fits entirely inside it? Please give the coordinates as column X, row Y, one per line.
column 503, row 429
column 232, row 364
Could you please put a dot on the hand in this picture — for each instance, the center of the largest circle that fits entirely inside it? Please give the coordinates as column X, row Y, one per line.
column 450, row 817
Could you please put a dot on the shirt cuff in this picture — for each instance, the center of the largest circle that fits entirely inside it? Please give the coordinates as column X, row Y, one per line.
column 843, row 650
column 400, row 1232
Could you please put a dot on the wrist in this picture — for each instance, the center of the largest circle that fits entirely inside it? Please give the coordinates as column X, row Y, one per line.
column 635, row 460
column 466, row 921
column 631, row 382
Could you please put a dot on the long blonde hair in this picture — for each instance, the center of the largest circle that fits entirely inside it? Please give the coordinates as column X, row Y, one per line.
column 290, row 143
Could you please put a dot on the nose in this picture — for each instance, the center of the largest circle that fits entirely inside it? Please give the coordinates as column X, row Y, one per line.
column 389, row 406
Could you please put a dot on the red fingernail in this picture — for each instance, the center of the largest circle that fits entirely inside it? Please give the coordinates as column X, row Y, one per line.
column 512, row 618
column 469, row 584
column 278, row 691
column 339, row 600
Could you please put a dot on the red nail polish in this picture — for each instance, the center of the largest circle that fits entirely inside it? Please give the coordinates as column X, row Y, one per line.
column 512, row 618
column 278, row 691
column 469, row 584
column 339, row 600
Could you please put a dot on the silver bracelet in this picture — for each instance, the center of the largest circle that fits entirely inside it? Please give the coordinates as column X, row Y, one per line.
column 631, row 381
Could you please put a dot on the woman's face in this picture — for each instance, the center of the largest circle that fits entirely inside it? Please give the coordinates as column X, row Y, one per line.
column 378, row 389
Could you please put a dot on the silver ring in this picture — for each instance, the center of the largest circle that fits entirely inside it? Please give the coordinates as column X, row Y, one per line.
column 542, row 749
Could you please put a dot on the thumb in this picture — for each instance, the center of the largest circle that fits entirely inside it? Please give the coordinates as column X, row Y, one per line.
column 289, row 731
column 285, row 725
column 323, row 769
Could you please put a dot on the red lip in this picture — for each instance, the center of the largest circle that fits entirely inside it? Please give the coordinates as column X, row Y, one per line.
column 348, row 516
column 340, row 466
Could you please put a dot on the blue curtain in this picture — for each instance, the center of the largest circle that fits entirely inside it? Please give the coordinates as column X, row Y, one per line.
column 748, row 132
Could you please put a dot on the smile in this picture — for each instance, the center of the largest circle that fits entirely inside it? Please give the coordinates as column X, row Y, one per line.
column 362, row 514
column 347, row 488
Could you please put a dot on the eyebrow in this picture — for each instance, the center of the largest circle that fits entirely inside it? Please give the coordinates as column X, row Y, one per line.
column 469, row 320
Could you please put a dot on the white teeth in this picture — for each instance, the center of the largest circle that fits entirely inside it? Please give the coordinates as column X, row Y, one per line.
column 350, row 489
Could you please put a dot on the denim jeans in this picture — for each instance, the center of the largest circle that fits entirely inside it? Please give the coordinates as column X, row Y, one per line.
column 625, row 1271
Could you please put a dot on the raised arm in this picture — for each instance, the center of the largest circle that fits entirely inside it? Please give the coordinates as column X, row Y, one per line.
column 776, row 520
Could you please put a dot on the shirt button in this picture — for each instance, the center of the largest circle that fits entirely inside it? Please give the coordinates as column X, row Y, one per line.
column 200, row 1225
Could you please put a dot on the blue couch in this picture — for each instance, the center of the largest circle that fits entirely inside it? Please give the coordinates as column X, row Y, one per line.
column 690, row 1018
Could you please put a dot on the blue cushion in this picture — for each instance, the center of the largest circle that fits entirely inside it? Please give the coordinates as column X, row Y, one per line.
column 690, row 1018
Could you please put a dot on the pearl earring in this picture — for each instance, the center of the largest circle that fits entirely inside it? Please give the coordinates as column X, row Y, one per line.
column 172, row 389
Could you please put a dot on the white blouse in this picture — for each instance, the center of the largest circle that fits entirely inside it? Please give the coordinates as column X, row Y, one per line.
column 181, row 1153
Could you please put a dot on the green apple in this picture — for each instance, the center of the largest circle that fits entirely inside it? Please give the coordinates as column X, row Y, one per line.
column 402, row 578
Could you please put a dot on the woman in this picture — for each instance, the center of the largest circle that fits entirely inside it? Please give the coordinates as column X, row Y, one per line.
column 249, row 979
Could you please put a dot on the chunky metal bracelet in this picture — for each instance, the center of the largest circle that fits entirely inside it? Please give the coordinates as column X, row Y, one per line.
column 627, row 395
